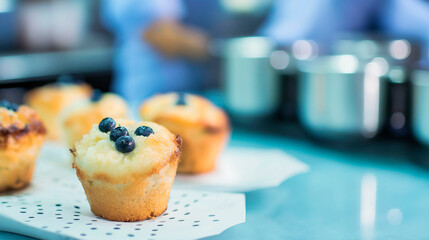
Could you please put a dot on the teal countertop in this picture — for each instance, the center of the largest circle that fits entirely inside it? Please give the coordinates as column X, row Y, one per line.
column 370, row 191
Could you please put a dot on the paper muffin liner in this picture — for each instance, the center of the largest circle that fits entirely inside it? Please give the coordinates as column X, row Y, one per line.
column 139, row 200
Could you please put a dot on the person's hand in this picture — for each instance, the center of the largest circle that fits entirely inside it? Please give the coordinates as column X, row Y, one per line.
column 173, row 39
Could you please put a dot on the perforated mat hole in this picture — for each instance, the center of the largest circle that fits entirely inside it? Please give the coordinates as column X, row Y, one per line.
column 195, row 225
column 216, row 220
column 83, row 234
column 45, row 227
column 57, row 214
column 175, row 210
column 30, row 217
column 177, row 202
column 76, row 215
column 196, row 200
column 58, row 205
column 59, row 210
column 137, row 229
column 69, row 223
column 38, row 205
column 94, row 220
column 142, row 224
column 160, row 225
column 187, row 205
column 184, row 195
column 116, row 228
column 212, row 215
column 66, row 227
column 108, row 234
column 153, row 234
column 4, row 202
column 23, row 208
column 77, row 207
column 40, row 213
column 187, row 213
column 197, row 221
column 23, row 212
column 59, row 217
column 172, row 218
column 130, row 235
column 93, row 228
column 155, row 230
column 89, row 224
column 181, row 220
column 76, row 219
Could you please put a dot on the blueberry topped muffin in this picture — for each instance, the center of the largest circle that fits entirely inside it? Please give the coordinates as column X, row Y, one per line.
column 21, row 135
column 79, row 118
column 203, row 127
column 50, row 100
column 133, row 163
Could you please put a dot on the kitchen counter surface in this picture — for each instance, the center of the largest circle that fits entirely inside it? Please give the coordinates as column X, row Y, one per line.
column 371, row 191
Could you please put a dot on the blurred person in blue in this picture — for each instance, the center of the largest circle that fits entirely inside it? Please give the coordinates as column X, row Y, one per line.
column 158, row 50
column 142, row 69
column 292, row 20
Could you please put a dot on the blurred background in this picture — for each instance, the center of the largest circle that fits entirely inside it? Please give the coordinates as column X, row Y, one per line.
column 343, row 84
column 334, row 70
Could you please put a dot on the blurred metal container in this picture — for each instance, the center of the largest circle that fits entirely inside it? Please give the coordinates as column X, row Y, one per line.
column 364, row 47
column 398, row 101
column 420, row 106
column 48, row 24
column 8, row 24
column 341, row 98
column 251, row 83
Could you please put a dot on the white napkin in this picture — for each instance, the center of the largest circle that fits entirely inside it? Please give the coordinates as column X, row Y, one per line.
column 245, row 169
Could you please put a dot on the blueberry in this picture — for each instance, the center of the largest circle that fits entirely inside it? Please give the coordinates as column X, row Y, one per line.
column 144, row 131
column 181, row 99
column 10, row 106
column 107, row 124
column 96, row 95
column 125, row 144
column 117, row 133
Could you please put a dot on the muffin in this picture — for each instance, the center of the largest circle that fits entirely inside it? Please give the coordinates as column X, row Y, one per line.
column 50, row 100
column 127, row 171
column 79, row 118
column 203, row 127
column 21, row 135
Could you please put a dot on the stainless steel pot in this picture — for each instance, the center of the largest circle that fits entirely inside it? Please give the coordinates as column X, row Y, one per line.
column 420, row 106
column 341, row 98
column 251, row 83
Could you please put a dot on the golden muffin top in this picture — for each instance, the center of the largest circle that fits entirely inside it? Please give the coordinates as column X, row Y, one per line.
column 123, row 150
column 57, row 96
column 92, row 112
column 18, row 121
column 186, row 109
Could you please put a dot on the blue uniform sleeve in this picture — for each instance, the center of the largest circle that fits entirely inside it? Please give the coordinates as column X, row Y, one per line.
column 295, row 19
column 121, row 16
column 407, row 18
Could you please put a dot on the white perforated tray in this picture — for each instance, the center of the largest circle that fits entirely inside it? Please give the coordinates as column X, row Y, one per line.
column 55, row 207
